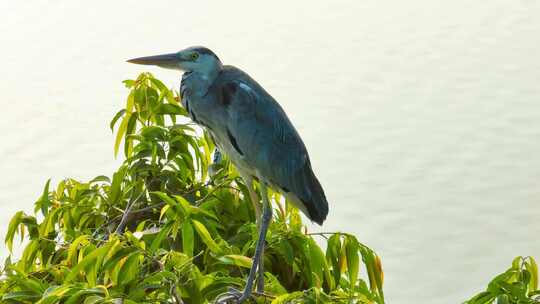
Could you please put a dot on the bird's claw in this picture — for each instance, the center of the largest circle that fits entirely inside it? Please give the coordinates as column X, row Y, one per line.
column 233, row 296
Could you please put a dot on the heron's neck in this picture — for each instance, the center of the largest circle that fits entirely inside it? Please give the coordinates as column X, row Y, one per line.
column 201, row 80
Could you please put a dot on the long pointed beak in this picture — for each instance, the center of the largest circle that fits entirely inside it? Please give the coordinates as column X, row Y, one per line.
column 165, row 60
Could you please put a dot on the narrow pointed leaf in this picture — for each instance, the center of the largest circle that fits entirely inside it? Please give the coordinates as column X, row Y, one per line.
column 205, row 236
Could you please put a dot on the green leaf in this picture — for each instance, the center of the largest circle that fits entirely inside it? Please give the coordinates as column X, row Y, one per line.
column 121, row 132
column 113, row 263
column 116, row 117
column 181, row 128
column 163, row 211
column 47, row 226
column 286, row 250
column 188, row 241
column 115, row 191
column 93, row 300
column 237, row 260
column 183, row 203
column 205, row 236
column 333, row 250
column 87, row 261
column 20, row 296
column 55, row 293
column 288, row 298
column 12, row 228
column 503, row 299
column 154, row 132
column 532, row 267
column 482, row 298
column 130, row 102
column 44, row 202
column 157, row 84
column 129, row 269
column 170, row 109
column 74, row 247
column 100, row 179
column 129, row 83
column 32, row 284
column 317, row 262
column 29, row 254
column 75, row 298
column 171, row 202
column 353, row 262
column 160, row 236
column 130, row 129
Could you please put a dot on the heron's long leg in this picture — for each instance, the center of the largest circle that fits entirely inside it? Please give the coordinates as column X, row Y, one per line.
column 252, row 196
column 262, row 224
column 255, row 201
column 260, row 276
column 266, row 205
column 265, row 221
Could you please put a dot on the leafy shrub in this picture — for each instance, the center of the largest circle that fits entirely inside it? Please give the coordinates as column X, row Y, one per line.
column 170, row 226
column 517, row 285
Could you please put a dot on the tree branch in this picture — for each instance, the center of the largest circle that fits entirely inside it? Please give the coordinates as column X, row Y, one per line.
column 123, row 221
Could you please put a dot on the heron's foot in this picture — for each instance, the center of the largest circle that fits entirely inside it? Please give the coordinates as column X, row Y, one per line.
column 233, row 296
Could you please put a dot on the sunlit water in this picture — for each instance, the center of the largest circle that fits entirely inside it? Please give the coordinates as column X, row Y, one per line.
column 422, row 118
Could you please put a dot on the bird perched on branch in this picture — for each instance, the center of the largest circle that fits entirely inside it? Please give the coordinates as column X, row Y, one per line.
column 249, row 126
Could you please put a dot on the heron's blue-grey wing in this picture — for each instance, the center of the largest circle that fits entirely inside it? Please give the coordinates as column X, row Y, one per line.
column 262, row 132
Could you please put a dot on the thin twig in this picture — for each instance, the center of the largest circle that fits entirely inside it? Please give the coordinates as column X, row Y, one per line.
column 224, row 297
column 264, row 294
column 195, row 189
column 145, row 209
column 128, row 213
column 177, row 298
column 199, row 201
column 125, row 216
column 323, row 233
column 123, row 222
column 135, row 212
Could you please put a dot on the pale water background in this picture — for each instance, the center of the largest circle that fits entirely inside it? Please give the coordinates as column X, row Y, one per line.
column 422, row 118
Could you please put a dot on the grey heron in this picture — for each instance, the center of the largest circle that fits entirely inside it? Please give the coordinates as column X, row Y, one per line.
column 249, row 126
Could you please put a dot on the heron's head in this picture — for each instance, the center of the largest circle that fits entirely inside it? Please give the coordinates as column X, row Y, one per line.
column 196, row 59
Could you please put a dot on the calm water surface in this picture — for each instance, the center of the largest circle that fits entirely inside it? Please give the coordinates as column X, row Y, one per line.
column 422, row 118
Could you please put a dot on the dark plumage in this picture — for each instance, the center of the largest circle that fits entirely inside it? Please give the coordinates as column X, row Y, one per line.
column 233, row 142
column 258, row 129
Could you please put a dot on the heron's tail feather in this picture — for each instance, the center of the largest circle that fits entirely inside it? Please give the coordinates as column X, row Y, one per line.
column 309, row 195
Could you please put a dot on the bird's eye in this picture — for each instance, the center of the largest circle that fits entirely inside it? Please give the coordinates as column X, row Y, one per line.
column 194, row 56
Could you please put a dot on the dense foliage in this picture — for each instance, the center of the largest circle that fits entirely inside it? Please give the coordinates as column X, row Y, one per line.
column 517, row 285
column 171, row 226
